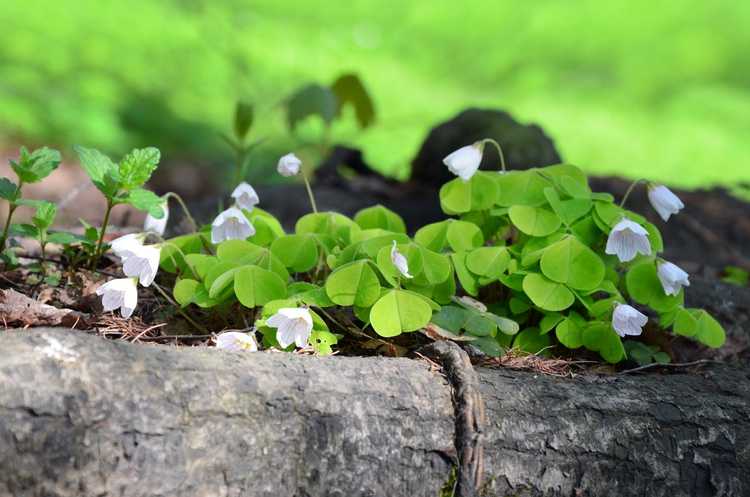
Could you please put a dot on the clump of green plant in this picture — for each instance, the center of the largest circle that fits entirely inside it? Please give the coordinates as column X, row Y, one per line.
column 529, row 259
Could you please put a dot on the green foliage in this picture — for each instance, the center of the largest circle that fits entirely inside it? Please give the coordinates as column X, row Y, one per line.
column 37, row 165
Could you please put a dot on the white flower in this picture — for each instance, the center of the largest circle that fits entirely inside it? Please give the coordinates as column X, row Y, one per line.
column 153, row 225
column 293, row 324
column 231, row 225
column 627, row 320
column 398, row 260
column 289, row 165
column 245, row 197
column 127, row 244
column 121, row 293
column 470, row 302
column 142, row 263
column 664, row 201
column 626, row 239
column 672, row 277
column 234, row 341
column 465, row 161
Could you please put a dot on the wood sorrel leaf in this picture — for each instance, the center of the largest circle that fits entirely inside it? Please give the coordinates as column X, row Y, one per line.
column 600, row 337
column 380, row 217
column 255, row 286
column 490, row 262
column 547, row 294
column 645, row 288
column 532, row 341
column 354, row 284
column 299, row 253
column 571, row 262
column 534, row 221
column 399, row 311
column 479, row 193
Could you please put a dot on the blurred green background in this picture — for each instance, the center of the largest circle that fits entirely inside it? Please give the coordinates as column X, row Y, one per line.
column 629, row 87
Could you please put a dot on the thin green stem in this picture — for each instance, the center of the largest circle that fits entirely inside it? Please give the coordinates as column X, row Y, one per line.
column 43, row 261
column 12, row 206
column 178, row 249
column 4, row 238
column 179, row 309
column 100, row 243
column 499, row 151
column 630, row 190
column 310, row 194
column 184, row 209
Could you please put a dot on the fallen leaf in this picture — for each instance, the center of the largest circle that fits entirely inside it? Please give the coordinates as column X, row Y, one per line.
column 16, row 309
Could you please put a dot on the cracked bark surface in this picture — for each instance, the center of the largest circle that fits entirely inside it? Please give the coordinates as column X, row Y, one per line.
column 83, row 416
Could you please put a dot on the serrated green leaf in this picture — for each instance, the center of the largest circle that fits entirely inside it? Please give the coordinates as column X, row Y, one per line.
column 44, row 215
column 147, row 201
column 8, row 190
column 137, row 167
column 97, row 166
column 37, row 165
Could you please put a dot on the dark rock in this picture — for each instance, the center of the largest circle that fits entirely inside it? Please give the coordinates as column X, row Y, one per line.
column 524, row 145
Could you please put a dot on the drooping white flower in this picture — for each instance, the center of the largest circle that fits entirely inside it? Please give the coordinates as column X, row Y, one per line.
column 289, row 165
column 126, row 244
column 142, row 263
column 465, row 161
column 398, row 260
column 293, row 325
column 245, row 196
column 627, row 320
column 235, row 341
column 154, row 225
column 664, row 202
column 121, row 293
column 627, row 239
column 231, row 225
column 672, row 277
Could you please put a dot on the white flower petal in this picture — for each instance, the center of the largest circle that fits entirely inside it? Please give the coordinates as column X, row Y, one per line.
column 626, row 240
column 398, row 260
column 154, row 225
column 235, row 341
column 125, row 245
column 293, row 325
column 465, row 161
column 627, row 320
column 672, row 277
column 289, row 165
column 664, row 201
column 119, row 293
column 231, row 225
column 245, row 196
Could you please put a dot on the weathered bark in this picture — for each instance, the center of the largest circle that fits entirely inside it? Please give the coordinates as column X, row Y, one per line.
column 81, row 416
